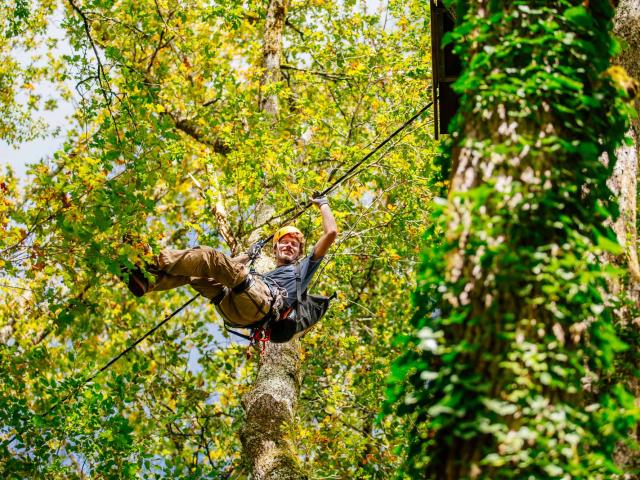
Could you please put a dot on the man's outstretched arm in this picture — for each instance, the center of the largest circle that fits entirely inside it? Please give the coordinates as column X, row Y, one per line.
column 330, row 228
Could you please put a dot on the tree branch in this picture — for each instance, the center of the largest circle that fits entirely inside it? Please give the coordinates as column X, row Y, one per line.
column 103, row 82
column 327, row 75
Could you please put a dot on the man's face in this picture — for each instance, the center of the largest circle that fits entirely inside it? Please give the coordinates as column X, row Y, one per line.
column 287, row 250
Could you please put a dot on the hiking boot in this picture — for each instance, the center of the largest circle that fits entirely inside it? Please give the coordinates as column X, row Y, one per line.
column 137, row 283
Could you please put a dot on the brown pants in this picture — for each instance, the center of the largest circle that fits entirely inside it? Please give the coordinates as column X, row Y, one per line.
column 208, row 271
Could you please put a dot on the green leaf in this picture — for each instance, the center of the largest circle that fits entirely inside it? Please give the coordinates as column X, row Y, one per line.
column 609, row 245
column 580, row 16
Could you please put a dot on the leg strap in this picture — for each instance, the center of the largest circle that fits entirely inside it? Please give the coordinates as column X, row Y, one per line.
column 218, row 298
column 243, row 285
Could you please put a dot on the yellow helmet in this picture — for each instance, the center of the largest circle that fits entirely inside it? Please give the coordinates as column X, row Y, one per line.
column 288, row 230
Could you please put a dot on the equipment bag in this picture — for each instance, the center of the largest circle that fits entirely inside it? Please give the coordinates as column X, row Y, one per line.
column 309, row 310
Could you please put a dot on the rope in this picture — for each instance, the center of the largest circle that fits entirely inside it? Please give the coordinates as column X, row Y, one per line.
column 119, row 356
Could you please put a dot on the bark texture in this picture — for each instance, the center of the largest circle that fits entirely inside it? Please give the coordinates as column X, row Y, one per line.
column 270, row 410
column 271, row 404
column 624, row 183
column 272, row 52
column 627, row 27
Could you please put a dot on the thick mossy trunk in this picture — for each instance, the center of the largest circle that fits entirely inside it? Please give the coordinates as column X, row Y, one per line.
column 624, row 184
column 624, row 181
column 523, row 329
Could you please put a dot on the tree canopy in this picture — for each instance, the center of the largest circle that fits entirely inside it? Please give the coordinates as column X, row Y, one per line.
column 168, row 92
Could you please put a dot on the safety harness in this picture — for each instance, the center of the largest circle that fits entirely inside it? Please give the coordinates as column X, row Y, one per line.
column 283, row 324
column 260, row 331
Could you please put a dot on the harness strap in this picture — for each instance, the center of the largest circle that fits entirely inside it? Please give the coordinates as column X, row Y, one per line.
column 260, row 334
column 235, row 332
column 218, row 298
column 298, row 290
column 243, row 285
column 260, row 330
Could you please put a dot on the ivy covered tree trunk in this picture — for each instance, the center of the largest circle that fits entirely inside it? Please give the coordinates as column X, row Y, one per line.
column 515, row 329
column 271, row 404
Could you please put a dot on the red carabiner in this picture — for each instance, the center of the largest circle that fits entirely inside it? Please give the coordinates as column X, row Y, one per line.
column 262, row 336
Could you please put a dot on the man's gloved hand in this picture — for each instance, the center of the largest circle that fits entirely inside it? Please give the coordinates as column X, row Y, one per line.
column 255, row 249
column 319, row 200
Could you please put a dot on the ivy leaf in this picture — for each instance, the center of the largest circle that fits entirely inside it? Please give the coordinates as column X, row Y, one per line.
column 580, row 16
column 609, row 245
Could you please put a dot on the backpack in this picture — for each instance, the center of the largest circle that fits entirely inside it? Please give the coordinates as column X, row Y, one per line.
column 309, row 310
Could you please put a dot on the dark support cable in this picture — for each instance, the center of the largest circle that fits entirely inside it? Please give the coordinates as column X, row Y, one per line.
column 331, row 187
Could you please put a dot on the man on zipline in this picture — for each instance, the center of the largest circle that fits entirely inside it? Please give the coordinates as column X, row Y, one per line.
column 244, row 299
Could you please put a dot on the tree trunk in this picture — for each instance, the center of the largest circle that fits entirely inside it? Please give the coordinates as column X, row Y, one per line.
column 272, row 52
column 624, row 181
column 271, row 404
column 522, row 309
column 624, row 185
column 270, row 409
